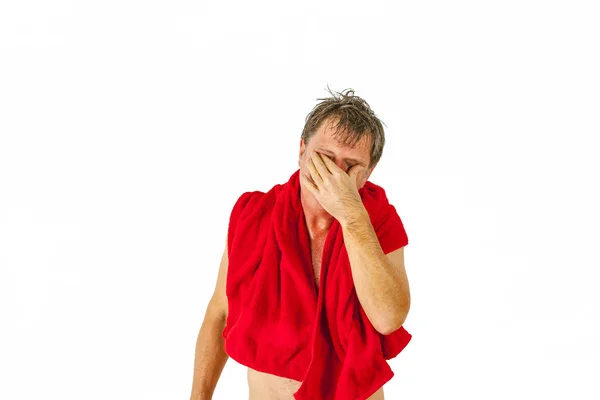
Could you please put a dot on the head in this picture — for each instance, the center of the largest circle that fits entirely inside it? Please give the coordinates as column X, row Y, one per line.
column 345, row 129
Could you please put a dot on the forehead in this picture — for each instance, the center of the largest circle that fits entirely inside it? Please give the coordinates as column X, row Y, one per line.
column 324, row 137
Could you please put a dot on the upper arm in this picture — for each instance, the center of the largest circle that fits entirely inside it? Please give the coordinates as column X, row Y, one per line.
column 219, row 298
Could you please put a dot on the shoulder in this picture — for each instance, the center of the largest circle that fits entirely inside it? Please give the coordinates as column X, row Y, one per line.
column 256, row 200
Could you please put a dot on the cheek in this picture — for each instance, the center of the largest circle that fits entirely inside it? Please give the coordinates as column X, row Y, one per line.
column 303, row 159
column 302, row 164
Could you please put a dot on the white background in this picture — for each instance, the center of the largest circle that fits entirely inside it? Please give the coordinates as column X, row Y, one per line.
column 129, row 128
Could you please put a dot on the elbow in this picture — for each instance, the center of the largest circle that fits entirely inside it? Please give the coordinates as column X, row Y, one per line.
column 390, row 325
column 393, row 322
column 385, row 329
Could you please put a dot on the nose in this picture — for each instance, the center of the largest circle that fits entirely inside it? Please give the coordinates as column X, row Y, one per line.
column 338, row 161
column 341, row 164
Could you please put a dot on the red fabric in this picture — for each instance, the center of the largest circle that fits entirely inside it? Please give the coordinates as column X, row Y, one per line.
column 277, row 323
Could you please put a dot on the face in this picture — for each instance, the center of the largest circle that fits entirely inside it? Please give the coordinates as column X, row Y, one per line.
column 344, row 157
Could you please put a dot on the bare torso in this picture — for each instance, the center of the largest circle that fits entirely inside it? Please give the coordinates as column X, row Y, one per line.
column 264, row 386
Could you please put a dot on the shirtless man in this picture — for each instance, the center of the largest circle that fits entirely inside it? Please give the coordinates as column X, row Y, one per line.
column 381, row 283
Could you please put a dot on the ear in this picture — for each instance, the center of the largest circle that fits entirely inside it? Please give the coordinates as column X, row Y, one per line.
column 302, row 150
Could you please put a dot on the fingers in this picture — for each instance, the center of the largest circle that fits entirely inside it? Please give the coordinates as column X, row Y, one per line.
column 310, row 185
column 315, row 170
column 323, row 163
column 354, row 171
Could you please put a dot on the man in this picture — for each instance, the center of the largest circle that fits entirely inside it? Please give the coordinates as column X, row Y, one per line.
column 341, row 144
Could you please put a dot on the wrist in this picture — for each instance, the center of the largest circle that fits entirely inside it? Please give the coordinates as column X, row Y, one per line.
column 355, row 215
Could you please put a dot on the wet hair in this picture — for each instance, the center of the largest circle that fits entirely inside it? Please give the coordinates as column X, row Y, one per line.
column 355, row 121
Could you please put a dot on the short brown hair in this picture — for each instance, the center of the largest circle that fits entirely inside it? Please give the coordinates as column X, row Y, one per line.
column 355, row 118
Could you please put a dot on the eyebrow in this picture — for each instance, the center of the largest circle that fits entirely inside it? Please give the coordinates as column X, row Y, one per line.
column 331, row 153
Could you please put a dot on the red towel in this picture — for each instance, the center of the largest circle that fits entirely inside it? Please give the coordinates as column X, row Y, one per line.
column 279, row 324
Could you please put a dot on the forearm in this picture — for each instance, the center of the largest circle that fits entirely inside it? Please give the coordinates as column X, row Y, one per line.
column 381, row 287
column 210, row 356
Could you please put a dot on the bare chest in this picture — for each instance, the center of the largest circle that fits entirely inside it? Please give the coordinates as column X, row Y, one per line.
column 316, row 252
